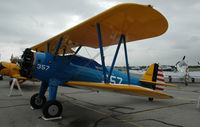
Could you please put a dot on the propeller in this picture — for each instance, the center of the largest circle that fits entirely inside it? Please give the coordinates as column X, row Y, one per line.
column 14, row 59
column 183, row 58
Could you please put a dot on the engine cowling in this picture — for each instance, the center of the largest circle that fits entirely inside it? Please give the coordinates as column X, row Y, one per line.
column 27, row 63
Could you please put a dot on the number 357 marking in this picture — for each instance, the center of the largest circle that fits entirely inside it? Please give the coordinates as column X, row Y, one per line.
column 42, row 67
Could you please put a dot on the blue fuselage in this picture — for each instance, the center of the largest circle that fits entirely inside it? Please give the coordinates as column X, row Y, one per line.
column 74, row 68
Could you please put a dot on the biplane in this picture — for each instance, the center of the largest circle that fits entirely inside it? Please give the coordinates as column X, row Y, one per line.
column 55, row 63
column 12, row 70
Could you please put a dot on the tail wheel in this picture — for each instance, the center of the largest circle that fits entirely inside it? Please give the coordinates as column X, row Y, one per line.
column 150, row 99
column 37, row 102
column 52, row 108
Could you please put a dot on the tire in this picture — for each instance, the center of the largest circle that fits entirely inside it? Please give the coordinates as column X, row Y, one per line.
column 37, row 102
column 150, row 99
column 52, row 108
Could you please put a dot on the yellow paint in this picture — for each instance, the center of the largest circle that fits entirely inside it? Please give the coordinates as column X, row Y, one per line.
column 135, row 21
column 129, row 89
column 158, row 83
column 148, row 75
column 10, row 69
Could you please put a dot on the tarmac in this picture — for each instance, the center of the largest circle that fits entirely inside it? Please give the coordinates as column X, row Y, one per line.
column 90, row 108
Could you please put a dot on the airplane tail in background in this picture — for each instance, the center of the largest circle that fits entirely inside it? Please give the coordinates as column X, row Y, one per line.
column 154, row 76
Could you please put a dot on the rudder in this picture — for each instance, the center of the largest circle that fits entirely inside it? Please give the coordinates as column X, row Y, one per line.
column 151, row 73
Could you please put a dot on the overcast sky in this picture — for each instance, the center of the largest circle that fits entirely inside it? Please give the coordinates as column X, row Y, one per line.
column 24, row 23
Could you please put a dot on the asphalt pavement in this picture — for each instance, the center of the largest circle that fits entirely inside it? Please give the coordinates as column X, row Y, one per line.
column 91, row 108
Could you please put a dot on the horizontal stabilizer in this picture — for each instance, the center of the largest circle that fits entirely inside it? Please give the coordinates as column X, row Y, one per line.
column 158, row 83
column 129, row 89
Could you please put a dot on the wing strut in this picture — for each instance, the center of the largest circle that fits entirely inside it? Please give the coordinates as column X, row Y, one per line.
column 101, row 52
column 114, row 59
column 47, row 47
column 126, row 58
column 78, row 50
column 58, row 46
column 122, row 39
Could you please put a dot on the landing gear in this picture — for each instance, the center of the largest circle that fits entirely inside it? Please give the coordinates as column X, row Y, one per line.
column 37, row 102
column 52, row 109
column 150, row 99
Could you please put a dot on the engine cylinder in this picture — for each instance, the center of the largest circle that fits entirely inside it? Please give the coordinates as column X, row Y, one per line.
column 27, row 63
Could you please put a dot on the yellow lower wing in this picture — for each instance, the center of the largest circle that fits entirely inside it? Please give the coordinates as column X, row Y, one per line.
column 158, row 83
column 18, row 77
column 130, row 89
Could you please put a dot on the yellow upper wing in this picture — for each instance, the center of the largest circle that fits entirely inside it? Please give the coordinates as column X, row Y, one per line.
column 135, row 21
column 130, row 89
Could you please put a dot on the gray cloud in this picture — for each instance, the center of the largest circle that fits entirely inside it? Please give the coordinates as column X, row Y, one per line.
column 28, row 22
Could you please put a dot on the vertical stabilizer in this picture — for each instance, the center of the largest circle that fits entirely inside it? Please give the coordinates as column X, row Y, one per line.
column 154, row 76
column 151, row 73
column 154, row 73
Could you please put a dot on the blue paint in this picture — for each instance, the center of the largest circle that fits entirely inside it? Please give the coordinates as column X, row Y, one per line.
column 58, row 46
column 101, row 52
column 64, row 51
column 55, row 72
column 47, row 47
column 53, row 87
column 115, row 57
column 43, row 88
column 79, row 69
column 74, row 68
column 126, row 58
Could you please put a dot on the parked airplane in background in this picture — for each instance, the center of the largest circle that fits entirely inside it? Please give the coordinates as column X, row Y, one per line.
column 182, row 72
column 179, row 73
column 12, row 69
column 55, row 63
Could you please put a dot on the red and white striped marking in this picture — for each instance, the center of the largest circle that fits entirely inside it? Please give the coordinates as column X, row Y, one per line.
column 160, row 76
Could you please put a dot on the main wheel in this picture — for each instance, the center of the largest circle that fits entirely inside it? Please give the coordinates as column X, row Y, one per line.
column 37, row 102
column 52, row 108
column 150, row 99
